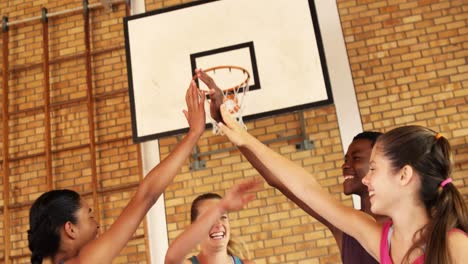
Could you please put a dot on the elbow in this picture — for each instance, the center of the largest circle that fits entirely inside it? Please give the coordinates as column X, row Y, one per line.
column 275, row 184
column 146, row 196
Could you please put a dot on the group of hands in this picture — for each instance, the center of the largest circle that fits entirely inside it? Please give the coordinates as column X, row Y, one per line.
column 239, row 195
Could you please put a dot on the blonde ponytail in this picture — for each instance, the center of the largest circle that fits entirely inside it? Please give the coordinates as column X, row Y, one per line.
column 237, row 247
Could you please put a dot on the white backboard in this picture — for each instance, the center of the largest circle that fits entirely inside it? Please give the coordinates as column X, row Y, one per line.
column 277, row 41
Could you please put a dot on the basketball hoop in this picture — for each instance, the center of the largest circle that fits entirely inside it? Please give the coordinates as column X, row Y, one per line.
column 234, row 94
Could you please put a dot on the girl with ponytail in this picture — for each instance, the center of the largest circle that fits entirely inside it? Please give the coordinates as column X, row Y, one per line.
column 62, row 225
column 409, row 180
column 211, row 229
column 428, row 155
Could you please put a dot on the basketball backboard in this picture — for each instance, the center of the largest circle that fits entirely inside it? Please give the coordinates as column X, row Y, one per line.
column 278, row 42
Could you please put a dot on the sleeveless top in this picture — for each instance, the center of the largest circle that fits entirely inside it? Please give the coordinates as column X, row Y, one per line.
column 235, row 260
column 387, row 231
column 353, row 253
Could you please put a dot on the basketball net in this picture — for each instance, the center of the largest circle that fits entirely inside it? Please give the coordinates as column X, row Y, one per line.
column 234, row 96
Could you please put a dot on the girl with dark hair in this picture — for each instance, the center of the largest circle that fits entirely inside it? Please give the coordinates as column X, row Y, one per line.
column 62, row 225
column 409, row 181
column 210, row 228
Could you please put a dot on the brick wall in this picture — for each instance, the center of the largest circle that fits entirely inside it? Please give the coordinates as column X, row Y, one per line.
column 408, row 60
column 117, row 158
column 275, row 230
column 408, row 64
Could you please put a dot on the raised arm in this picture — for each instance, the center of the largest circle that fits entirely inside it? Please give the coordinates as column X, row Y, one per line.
column 216, row 99
column 235, row 199
column 304, row 186
column 109, row 244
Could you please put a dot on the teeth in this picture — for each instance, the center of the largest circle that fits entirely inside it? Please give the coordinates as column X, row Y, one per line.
column 217, row 235
column 347, row 177
column 371, row 193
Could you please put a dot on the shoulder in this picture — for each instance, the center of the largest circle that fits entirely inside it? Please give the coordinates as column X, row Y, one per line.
column 457, row 244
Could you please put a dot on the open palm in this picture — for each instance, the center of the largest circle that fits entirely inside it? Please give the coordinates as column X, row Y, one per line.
column 238, row 196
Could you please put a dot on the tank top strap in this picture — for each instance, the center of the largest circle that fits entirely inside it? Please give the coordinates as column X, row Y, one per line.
column 385, row 243
column 237, row 260
column 194, row 260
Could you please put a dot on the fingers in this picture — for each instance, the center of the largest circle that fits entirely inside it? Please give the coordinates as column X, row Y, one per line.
column 186, row 115
column 225, row 130
column 201, row 98
column 250, row 185
column 194, row 97
column 189, row 95
column 248, row 199
column 241, row 190
column 204, row 77
column 227, row 117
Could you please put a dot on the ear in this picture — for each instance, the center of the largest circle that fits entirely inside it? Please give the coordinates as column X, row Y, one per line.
column 406, row 175
column 70, row 229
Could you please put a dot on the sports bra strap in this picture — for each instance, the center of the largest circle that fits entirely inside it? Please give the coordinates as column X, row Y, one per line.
column 235, row 259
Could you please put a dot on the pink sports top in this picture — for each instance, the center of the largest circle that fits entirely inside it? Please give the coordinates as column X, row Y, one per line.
column 387, row 231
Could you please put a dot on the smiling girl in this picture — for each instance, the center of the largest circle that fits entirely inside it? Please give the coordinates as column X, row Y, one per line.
column 409, row 181
column 211, row 229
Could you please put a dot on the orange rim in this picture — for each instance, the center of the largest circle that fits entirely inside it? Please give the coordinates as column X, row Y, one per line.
column 231, row 89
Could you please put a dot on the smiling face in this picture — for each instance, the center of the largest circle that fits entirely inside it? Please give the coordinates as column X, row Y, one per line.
column 219, row 234
column 382, row 183
column 87, row 226
column 356, row 166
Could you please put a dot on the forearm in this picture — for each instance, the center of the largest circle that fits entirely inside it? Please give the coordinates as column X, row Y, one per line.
column 273, row 181
column 109, row 244
column 156, row 181
column 193, row 235
column 279, row 171
column 313, row 198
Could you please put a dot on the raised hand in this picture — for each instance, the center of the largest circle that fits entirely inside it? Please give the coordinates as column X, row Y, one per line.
column 216, row 94
column 237, row 197
column 232, row 129
column 195, row 113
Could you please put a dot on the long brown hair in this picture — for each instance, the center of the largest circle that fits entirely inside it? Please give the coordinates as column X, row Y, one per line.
column 429, row 154
column 235, row 247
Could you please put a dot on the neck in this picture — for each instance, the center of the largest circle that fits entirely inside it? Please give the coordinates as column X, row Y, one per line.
column 366, row 208
column 64, row 254
column 407, row 221
column 61, row 256
column 216, row 257
column 407, row 226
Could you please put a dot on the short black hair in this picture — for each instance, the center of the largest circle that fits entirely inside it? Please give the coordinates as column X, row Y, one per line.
column 372, row 136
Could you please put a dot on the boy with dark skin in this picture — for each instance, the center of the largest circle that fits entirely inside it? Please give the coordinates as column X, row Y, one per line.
column 354, row 168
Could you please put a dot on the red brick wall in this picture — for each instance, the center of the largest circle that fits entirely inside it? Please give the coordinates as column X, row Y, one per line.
column 117, row 159
column 408, row 65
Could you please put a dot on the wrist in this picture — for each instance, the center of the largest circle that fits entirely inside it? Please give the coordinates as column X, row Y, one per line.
column 223, row 206
column 249, row 141
column 192, row 133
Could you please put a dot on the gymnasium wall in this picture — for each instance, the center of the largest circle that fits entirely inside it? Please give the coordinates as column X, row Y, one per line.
column 408, row 62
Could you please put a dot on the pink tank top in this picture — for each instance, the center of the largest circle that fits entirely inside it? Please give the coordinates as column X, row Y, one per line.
column 385, row 244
